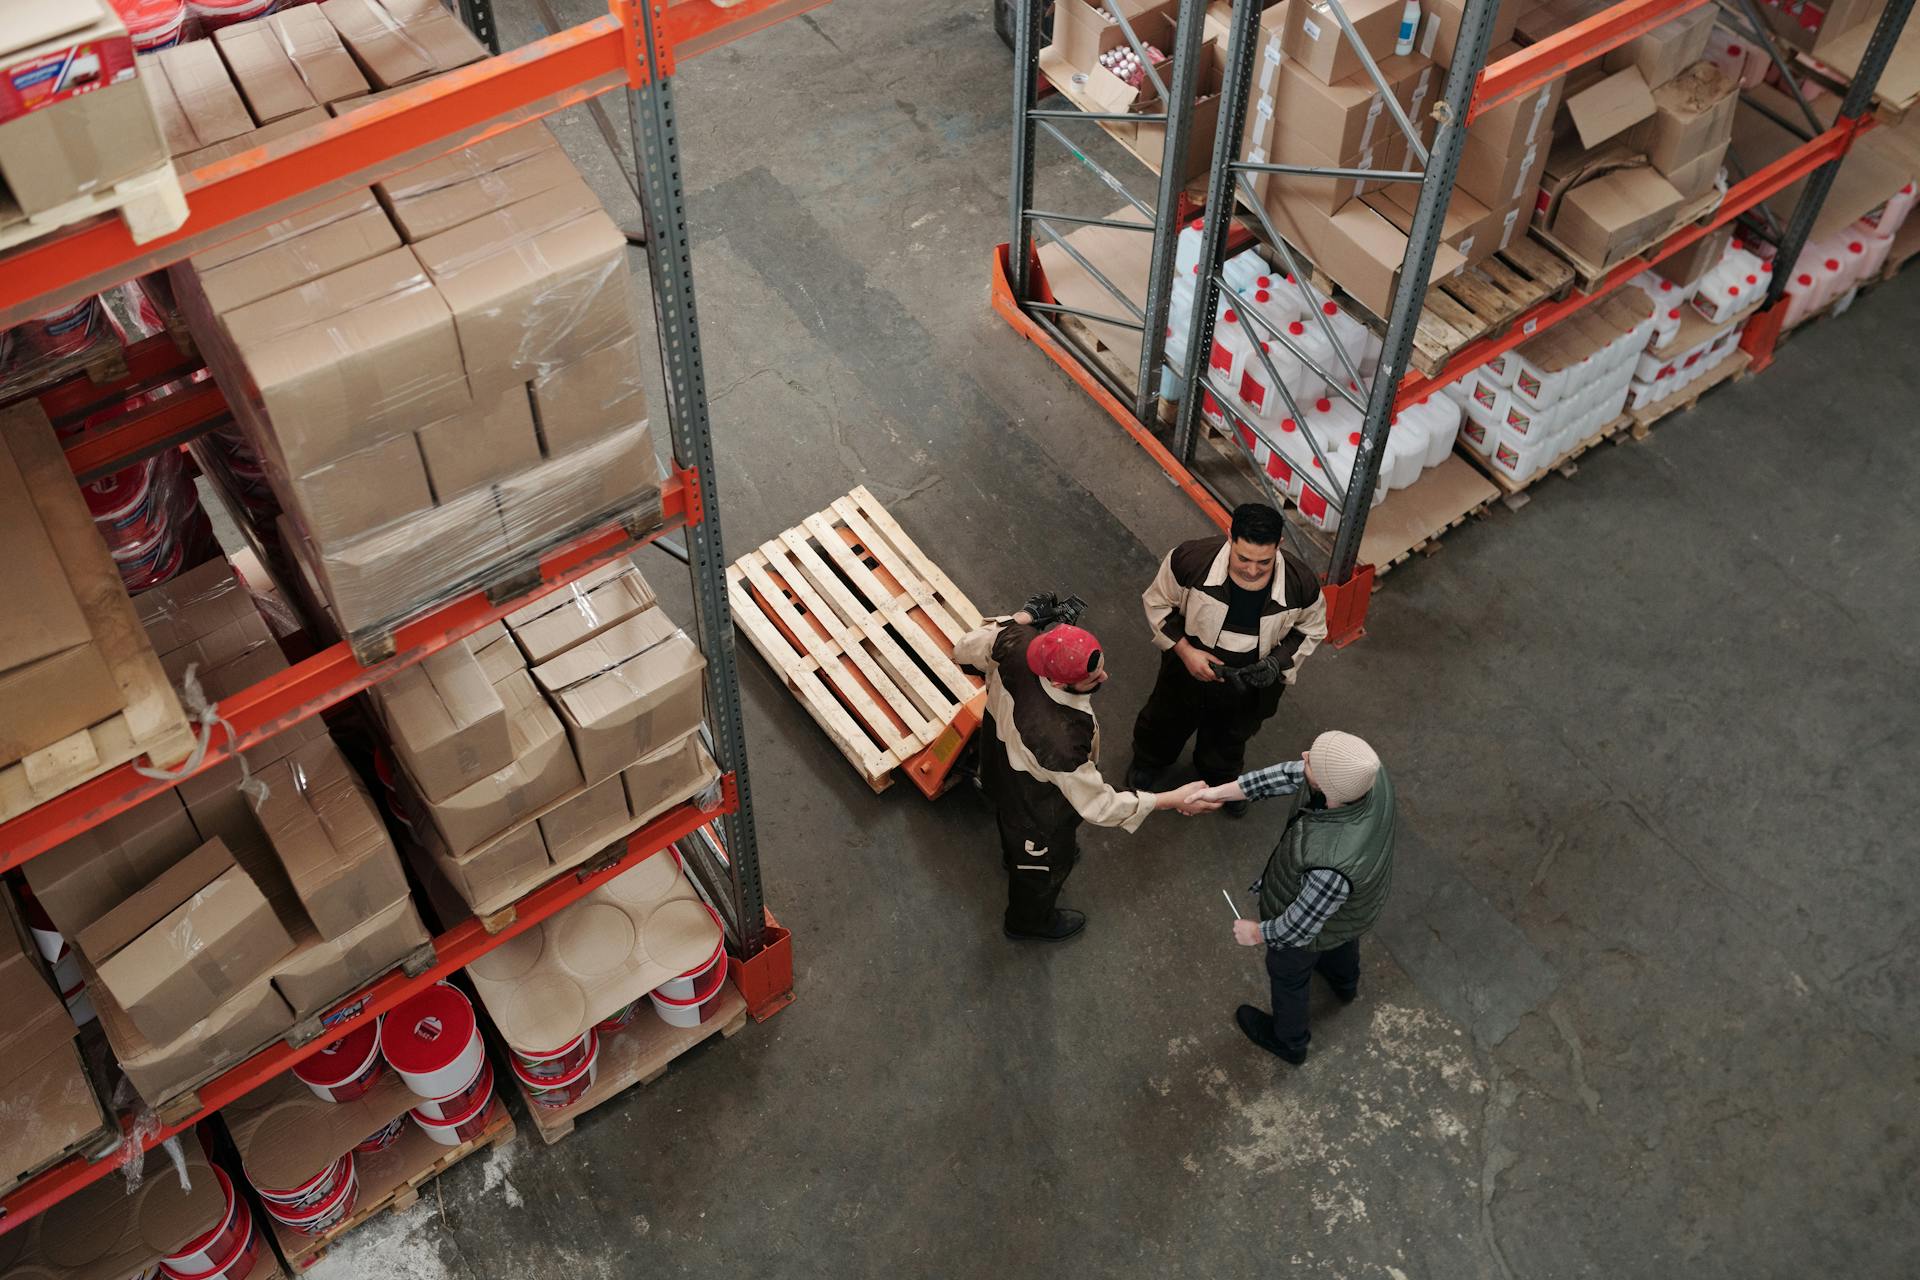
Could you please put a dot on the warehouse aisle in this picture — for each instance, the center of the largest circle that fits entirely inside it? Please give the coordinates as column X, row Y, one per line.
column 1644, row 1005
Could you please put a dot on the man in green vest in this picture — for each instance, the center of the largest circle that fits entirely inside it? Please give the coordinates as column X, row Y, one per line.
column 1325, row 883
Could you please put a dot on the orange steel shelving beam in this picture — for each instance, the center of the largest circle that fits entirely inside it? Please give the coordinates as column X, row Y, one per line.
column 453, row 950
column 1562, row 51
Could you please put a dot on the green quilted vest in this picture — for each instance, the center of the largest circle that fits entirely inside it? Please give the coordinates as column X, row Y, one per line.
column 1356, row 840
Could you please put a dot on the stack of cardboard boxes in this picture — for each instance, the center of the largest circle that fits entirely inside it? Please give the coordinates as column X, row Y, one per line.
column 533, row 745
column 211, row 918
column 439, row 373
column 45, row 1091
column 1642, row 138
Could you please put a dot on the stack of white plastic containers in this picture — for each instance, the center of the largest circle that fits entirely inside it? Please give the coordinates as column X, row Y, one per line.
column 1527, row 407
column 1697, row 326
column 1309, row 455
column 1832, row 268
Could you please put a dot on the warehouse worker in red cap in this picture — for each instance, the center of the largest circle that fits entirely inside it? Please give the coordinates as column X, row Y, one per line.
column 1325, row 883
column 1039, row 762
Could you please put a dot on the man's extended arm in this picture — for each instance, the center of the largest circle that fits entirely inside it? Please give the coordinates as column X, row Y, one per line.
column 1162, row 602
column 1322, row 893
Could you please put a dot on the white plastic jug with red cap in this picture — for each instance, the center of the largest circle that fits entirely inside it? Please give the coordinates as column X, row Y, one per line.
column 1878, row 246
column 1887, row 219
column 1243, row 269
column 1307, row 338
column 1255, row 389
column 1438, row 418
column 1278, row 306
column 1405, row 456
column 1228, row 356
column 1348, row 332
column 1179, row 338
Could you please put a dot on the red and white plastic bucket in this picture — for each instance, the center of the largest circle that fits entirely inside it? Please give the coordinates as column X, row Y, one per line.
column 67, row 330
column 345, row 1069
column 237, row 1266
column 433, row 1041
column 460, row 1102
column 694, row 1010
column 318, row 1219
column 570, row 1088
column 690, row 983
column 620, row 1020
column 382, row 1138
column 214, row 1249
column 153, row 25
column 214, row 14
column 555, row 1064
column 313, row 1191
column 459, row 1130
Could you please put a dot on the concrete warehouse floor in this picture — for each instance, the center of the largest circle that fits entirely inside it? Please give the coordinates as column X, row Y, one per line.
column 1644, row 1005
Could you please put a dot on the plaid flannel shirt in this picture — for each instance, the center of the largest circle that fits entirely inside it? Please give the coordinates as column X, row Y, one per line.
column 1321, row 893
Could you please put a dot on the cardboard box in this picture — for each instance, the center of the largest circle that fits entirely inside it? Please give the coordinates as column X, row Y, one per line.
column 252, row 1018
column 266, row 76
column 350, row 359
column 443, row 208
column 33, row 1021
column 81, row 880
column 53, row 679
column 1386, row 151
column 586, row 823
column 318, row 251
column 101, row 1232
column 676, row 772
column 532, row 286
column 1203, row 117
column 402, row 568
column 284, row 229
column 321, row 971
column 1440, row 29
column 1361, row 250
column 178, row 948
column 213, row 798
column 1668, row 49
column 579, row 611
column 1521, row 122
column 1464, row 227
column 1692, row 262
column 201, row 601
column 363, row 491
column 284, row 127
column 1692, row 116
column 1696, row 177
column 397, row 41
column 330, row 838
column 626, row 692
column 325, row 66
column 467, row 163
column 566, row 495
column 543, row 770
column 1607, row 218
column 216, row 649
column 1082, row 32
column 445, row 721
column 1816, row 27
column 1347, row 117
column 1609, row 107
column 491, row 439
column 1314, row 39
column 76, row 119
column 499, row 869
column 195, row 98
column 590, row 399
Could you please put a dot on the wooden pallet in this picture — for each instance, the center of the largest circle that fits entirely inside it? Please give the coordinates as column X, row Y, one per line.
column 1731, row 367
column 636, row 1055
column 150, row 722
column 392, row 1179
column 1484, row 300
column 861, row 625
column 150, row 203
column 1513, row 492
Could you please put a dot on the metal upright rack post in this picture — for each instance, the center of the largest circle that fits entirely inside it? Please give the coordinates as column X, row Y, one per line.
column 634, row 46
column 1022, row 294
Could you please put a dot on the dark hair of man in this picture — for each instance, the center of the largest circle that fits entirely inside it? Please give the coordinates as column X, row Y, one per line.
column 1258, row 523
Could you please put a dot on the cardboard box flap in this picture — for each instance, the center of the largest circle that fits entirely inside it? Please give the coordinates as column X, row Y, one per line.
column 317, row 54
column 579, row 612
column 549, row 984
column 606, row 652
column 343, row 293
column 454, row 251
column 314, row 253
column 470, row 162
column 1617, row 102
column 271, row 84
column 330, row 838
column 285, row 1134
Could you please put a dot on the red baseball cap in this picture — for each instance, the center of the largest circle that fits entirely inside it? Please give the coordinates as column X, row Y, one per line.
column 1062, row 654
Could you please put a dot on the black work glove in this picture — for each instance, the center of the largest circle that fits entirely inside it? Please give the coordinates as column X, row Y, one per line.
column 1256, row 675
column 1047, row 609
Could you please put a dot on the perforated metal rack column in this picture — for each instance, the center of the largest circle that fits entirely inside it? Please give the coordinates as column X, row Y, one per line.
column 670, row 261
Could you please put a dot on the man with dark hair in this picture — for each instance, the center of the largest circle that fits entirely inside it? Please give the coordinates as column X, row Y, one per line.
column 1040, row 763
column 1234, row 617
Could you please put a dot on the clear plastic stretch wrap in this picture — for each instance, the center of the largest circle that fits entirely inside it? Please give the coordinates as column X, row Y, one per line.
column 439, row 376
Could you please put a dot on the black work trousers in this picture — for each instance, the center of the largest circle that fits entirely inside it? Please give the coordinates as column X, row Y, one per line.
column 1221, row 717
column 1038, row 863
column 1290, row 969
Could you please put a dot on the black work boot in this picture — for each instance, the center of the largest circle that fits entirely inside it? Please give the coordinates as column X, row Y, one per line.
column 1142, row 777
column 1235, row 808
column 1063, row 925
column 1258, row 1027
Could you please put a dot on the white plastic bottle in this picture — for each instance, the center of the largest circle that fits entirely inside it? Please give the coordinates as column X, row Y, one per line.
column 1348, row 332
column 1409, row 25
column 1331, row 420
column 1895, row 211
column 1439, row 417
column 1878, row 247
column 1313, row 345
column 1406, row 453
column 1243, row 269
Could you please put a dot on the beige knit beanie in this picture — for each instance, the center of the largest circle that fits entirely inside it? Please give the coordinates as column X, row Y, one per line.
column 1344, row 767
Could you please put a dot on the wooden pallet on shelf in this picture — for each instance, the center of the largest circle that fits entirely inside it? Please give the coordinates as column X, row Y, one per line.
column 392, row 1179
column 637, row 1054
column 150, row 723
column 860, row 624
column 1514, row 492
column 1483, row 301
column 1731, row 367
column 151, row 204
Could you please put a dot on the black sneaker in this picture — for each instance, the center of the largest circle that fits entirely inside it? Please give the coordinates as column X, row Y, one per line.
column 1258, row 1027
column 1142, row 778
column 1235, row 808
column 1345, row 995
column 1064, row 924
